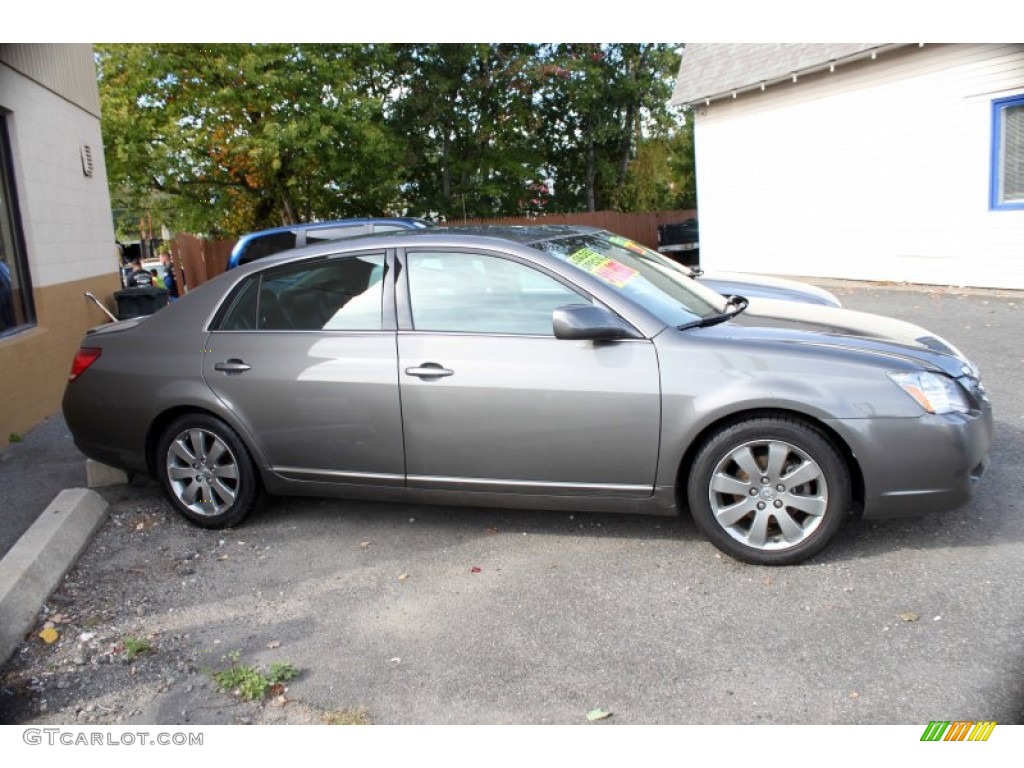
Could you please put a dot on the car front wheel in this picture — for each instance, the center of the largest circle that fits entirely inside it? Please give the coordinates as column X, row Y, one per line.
column 207, row 471
column 769, row 490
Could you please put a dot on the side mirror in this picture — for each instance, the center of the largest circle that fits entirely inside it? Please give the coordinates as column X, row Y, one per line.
column 588, row 322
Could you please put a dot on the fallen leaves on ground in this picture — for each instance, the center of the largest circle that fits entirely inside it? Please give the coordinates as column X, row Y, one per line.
column 49, row 635
column 598, row 714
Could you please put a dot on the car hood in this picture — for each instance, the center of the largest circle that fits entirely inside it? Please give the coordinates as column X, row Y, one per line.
column 767, row 320
column 766, row 287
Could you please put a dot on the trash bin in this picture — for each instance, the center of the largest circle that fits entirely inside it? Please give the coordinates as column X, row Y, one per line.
column 136, row 302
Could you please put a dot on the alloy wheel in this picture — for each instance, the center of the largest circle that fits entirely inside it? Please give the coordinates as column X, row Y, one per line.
column 768, row 494
column 202, row 471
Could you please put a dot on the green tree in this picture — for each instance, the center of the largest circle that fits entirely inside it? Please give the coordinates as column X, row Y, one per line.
column 597, row 103
column 228, row 138
column 222, row 139
column 661, row 175
column 464, row 113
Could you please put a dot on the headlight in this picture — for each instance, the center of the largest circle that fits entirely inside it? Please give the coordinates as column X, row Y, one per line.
column 932, row 391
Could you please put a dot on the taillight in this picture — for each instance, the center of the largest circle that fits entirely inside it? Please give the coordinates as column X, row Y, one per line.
column 85, row 357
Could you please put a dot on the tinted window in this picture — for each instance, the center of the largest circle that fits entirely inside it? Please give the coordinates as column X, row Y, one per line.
column 16, row 308
column 331, row 294
column 345, row 294
column 474, row 293
column 241, row 316
column 335, row 233
column 268, row 245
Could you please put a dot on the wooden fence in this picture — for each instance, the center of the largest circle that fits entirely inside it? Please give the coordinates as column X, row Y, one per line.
column 205, row 259
column 201, row 259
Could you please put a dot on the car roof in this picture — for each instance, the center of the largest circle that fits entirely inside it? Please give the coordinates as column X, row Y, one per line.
column 522, row 234
column 483, row 235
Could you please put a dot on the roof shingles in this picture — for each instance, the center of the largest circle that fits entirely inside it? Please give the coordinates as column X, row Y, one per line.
column 710, row 69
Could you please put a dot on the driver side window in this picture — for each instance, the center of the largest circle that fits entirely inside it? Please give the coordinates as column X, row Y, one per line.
column 477, row 293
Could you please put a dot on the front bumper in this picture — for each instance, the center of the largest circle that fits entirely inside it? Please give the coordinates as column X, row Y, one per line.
column 912, row 466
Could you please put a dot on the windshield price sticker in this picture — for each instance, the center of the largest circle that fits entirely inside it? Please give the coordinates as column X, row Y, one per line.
column 609, row 270
column 626, row 243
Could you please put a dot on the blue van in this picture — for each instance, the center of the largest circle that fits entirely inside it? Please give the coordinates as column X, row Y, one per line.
column 257, row 245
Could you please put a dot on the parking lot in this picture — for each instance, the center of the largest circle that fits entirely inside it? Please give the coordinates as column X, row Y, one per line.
column 399, row 614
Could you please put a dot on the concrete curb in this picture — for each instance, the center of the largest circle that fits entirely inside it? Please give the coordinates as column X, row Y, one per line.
column 35, row 565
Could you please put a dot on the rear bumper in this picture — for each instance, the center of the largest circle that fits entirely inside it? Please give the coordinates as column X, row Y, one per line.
column 919, row 465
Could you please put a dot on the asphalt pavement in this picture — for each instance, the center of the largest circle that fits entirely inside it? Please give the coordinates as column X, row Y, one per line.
column 32, row 472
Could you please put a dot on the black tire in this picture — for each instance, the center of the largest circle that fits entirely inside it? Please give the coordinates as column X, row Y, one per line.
column 207, row 471
column 769, row 490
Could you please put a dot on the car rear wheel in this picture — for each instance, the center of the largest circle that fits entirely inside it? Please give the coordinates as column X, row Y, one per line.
column 207, row 471
column 769, row 491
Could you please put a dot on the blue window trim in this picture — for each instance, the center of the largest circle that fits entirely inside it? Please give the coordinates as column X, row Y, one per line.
column 998, row 105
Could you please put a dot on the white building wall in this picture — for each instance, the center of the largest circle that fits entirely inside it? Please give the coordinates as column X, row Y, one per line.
column 65, row 215
column 879, row 171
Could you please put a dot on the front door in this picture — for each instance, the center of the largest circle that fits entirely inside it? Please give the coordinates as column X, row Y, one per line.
column 492, row 401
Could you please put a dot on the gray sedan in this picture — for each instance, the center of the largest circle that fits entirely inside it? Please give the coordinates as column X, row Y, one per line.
column 541, row 367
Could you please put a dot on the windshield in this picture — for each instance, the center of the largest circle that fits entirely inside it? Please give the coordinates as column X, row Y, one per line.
column 651, row 280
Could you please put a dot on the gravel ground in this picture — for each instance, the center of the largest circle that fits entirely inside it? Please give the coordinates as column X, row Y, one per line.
column 116, row 601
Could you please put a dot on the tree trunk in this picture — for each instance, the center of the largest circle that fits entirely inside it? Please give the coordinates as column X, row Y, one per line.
column 626, row 147
column 288, row 210
column 591, row 176
column 446, row 171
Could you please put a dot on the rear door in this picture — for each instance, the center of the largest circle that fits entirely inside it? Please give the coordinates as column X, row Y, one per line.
column 305, row 356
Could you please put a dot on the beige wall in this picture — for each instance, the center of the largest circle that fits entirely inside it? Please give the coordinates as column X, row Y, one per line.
column 50, row 100
column 34, row 364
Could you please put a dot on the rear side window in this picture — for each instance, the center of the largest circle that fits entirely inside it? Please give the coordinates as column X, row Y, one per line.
column 241, row 313
column 343, row 294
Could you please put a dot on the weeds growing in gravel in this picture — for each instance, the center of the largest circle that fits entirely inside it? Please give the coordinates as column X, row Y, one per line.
column 248, row 682
column 136, row 646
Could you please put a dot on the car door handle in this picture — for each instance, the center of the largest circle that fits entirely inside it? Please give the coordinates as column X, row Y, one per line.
column 232, row 366
column 429, row 371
